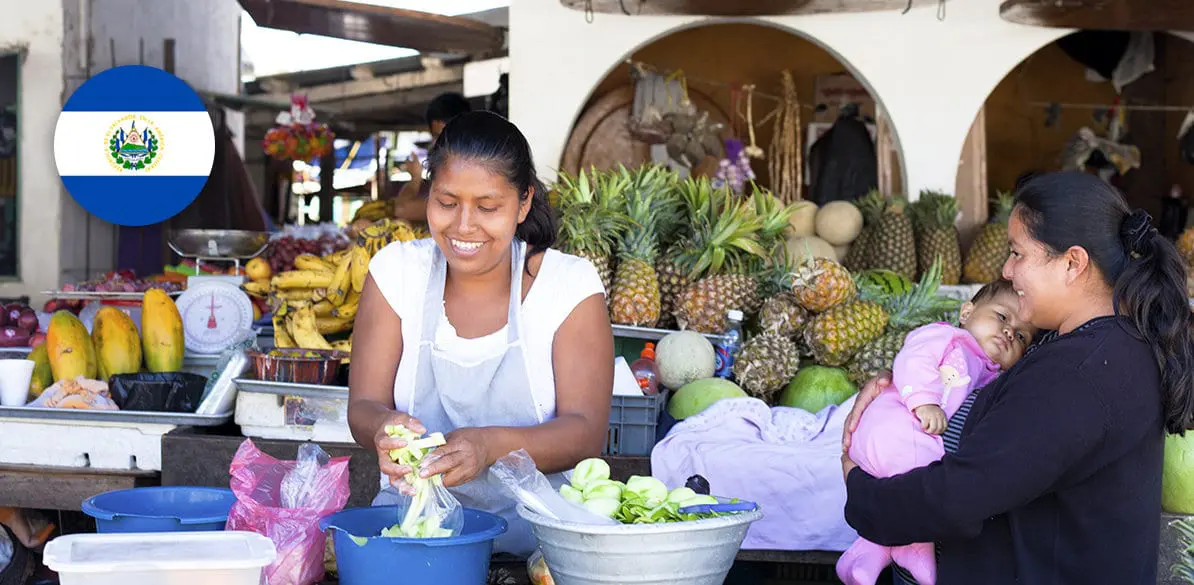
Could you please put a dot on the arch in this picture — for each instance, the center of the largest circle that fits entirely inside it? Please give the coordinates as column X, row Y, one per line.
column 603, row 81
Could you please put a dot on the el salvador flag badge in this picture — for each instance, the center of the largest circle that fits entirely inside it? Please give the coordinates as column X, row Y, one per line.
column 134, row 145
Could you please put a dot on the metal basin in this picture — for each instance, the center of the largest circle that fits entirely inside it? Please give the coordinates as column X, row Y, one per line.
column 230, row 244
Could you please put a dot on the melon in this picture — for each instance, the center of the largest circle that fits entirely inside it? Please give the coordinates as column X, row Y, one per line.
column 694, row 397
column 1177, row 475
column 816, row 387
column 839, row 222
column 683, row 357
column 841, row 251
column 801, row 247
column 803, row 219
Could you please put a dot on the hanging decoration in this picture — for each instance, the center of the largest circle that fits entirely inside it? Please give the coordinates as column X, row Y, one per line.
column 734, row 170
column 646, row 121
column 752, row 149
column 786, row 165
column 693, row 136
column 297, row 135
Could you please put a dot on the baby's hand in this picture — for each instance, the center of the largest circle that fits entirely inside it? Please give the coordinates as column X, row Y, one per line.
column 932, row 418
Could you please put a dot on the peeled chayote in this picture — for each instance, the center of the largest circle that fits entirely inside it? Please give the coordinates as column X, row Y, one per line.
column 589, row 471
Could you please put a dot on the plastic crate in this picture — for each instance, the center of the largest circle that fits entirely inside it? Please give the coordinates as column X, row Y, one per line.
column 633, row 422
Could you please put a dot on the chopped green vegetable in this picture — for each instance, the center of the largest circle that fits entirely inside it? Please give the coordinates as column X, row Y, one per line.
column 360, row 540
column 418, row 522
column 572, row 494
column 603, row 488
column 589, row 471
column 641, row 500
column 680, row 494
column 651, row 489
column 603, row 506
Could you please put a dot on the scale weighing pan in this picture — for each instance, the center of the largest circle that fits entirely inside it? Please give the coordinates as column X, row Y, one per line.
column 218, row 244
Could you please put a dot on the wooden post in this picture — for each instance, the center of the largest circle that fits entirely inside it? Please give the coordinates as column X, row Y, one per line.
column 883, row 151
column 971, row 187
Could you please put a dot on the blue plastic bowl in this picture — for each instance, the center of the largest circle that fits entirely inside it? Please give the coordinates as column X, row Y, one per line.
column 161, row 509
column 456, row 560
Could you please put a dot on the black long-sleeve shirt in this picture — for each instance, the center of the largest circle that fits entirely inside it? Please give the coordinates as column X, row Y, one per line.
column 1057, row 480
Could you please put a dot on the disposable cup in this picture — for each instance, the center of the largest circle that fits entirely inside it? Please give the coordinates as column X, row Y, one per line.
column 15, row 376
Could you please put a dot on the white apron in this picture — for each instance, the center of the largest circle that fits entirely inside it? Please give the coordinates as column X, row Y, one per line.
column 494, row 390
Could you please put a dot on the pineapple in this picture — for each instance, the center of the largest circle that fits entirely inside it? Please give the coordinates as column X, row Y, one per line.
column 635, row 297
column 672, row 280
column 822, row 284
column 893, row 241
column 876, row 356
column 935, row 215
column 837, row 334
column 592, row 218
column 724, row 236
column 783, row 315
column 871, row 205
column 765, row 364
column 988, row 253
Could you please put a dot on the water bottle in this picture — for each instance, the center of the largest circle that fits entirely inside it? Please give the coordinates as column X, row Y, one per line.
column 727, row 346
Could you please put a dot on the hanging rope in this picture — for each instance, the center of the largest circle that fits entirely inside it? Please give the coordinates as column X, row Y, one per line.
column 785, row 165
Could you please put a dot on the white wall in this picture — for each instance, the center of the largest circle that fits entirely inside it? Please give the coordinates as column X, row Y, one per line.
column 931, row 76
column 36, row 29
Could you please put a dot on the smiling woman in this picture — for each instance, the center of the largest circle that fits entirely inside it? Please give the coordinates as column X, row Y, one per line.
column 483, row 332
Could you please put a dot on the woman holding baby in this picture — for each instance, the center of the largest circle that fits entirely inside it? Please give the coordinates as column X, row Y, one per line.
column 1051, row 473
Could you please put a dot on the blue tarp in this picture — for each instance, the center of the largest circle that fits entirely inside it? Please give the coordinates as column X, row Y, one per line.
column 364, row 155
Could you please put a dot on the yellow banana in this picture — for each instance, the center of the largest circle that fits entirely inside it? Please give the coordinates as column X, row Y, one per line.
column 256, row 288
column 295, row 294
column 332, row 325
column 311, row 262
column 345, row 346
column 360, row 268
column 349, row 309
column 319, row 294
column 324, row 308
column 302, row 279
column 282, row 337
column 341, row 281
column 303, row 329
column 335, row 257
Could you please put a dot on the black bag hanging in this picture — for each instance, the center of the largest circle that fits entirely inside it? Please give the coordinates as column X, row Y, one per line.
column 842, row 165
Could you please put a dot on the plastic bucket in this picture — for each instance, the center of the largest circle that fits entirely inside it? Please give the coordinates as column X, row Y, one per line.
column 456, row 560
column 697, row 552
column 160, row 509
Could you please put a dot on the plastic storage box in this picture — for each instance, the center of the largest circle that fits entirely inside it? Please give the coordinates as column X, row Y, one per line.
column 176, row 558
column 633, row 423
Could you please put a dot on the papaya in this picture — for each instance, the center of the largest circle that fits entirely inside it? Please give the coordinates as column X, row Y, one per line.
column 69, row 348
column 117, row 344
column 43, row 377
column 162, row 342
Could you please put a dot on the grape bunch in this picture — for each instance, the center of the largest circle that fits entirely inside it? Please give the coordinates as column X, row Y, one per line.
column 282, row 251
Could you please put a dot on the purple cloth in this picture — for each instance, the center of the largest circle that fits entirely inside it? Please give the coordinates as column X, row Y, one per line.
column 787, row 460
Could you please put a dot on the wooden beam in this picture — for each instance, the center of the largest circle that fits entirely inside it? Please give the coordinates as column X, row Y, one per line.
column 752, row 8
column 343, row 111
column 1128, row 15
column 395, row 27
column 398, row 82
column 971, row 188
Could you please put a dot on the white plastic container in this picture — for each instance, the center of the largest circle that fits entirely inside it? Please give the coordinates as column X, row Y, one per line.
column 160, row 558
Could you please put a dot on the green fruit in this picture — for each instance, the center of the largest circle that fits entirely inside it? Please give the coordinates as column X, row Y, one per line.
column 816, row 387
column 1177, row 475
column 694, row 397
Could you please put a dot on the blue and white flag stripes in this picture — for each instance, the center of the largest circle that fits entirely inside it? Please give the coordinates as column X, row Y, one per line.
column 134, row 145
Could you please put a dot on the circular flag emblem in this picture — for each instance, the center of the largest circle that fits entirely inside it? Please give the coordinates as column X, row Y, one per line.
column 134, row 145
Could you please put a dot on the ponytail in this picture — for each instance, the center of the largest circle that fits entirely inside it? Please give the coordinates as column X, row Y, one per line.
column 1151, row 291
column 490, row 139
column 1144, row 270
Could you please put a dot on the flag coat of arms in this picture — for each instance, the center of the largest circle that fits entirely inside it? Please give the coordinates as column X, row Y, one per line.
column 134, row 145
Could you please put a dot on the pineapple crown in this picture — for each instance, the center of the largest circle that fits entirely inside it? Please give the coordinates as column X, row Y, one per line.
column 592, row 213
column 934, row 210
column 651, row 206
column 872, row 205
column 1002, row 204
column 725, row 232
column 917, row 307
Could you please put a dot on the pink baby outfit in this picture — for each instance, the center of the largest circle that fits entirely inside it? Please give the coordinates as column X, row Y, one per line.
column 939, row 364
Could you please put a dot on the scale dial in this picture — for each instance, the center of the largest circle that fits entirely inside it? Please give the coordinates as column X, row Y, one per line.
column 215, row 315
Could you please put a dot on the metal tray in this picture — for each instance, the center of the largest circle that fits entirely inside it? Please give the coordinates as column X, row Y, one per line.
column 76, row 295
column 652, row 334
column 218, row 244
column 292, row 389
column 116, row 416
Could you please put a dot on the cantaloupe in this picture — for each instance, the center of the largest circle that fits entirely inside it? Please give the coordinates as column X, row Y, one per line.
column 800, row 248
column 69, row 348
column 684, row 356
column 162, row 342
column 803, row 219
column 839, row 222
column 117, row 344
column 694, row 397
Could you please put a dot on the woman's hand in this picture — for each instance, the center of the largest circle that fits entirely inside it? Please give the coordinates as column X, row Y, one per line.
column 462, row 459
column 385, row 443
column 866, row 396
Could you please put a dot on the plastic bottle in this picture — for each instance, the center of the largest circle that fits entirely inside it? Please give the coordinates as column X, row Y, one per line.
column 646, row 371
column 728, row 346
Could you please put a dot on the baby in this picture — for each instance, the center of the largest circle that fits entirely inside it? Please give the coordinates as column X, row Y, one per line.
column 938, row 367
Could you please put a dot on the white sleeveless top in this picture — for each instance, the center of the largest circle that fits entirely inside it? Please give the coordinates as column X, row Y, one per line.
column 401, row 271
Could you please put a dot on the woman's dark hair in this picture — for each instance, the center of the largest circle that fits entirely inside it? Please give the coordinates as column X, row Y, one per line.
column 1148, row 276
column 491, row 140
column 446, row 106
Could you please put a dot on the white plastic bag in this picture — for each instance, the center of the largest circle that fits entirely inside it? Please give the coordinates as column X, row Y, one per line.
column 517, row 474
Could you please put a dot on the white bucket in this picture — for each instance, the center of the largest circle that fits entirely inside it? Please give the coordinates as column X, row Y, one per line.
column 177, row 558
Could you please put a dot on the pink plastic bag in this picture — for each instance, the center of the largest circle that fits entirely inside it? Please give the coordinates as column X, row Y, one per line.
column 284, row 501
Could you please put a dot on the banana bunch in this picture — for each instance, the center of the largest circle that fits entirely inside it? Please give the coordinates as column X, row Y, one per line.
column 373, row 210
column 320, row 297
column 384, row 232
